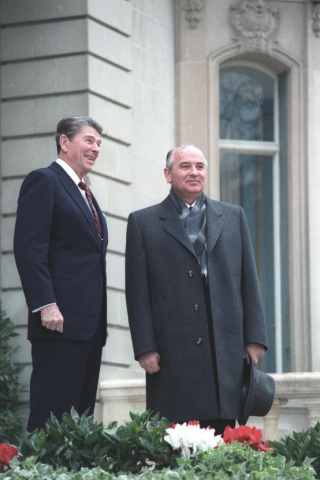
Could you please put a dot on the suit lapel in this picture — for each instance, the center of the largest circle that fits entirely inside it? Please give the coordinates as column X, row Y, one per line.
column 173, row 226
column 214, row 223
column 72, row 190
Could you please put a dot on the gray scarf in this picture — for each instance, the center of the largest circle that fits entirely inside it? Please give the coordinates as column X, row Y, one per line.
column 194, row 221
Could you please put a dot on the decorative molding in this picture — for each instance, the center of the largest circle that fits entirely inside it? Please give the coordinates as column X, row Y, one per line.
column 193, row 9
column 316, row 20
column 256, row 23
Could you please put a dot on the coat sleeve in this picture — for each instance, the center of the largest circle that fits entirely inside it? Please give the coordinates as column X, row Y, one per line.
column 254, row 323
column 32, row 239
column 138, row 292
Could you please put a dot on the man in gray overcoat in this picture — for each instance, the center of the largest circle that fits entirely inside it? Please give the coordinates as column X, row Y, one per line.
column 193, row 298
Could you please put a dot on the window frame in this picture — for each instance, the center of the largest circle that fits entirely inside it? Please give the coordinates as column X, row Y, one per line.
column 271, row 149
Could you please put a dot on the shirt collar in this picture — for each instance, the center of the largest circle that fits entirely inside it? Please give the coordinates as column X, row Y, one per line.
column 192, row 204
column 72, row 174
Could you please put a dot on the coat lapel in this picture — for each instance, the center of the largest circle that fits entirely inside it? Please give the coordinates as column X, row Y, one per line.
column 75, row 194
column 214, row 223
column 173, row 226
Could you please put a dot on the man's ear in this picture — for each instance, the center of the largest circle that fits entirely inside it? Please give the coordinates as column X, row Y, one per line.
column 167, row 175
column 64, row 140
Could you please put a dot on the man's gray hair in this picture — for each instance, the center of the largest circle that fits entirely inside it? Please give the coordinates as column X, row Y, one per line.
column 70, row 126
column 170, row 155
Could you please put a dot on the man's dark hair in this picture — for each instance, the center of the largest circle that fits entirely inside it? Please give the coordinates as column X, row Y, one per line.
column 70, row 126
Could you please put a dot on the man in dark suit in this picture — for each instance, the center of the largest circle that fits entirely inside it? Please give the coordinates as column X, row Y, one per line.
column 60, row 246
column 193, row 298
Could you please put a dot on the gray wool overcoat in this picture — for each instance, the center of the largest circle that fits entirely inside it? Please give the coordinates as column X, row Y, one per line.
column 167, row 310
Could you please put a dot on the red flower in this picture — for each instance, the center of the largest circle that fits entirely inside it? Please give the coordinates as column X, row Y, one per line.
column 173, row 426
column 245, row 435
column 265, row 448
column 6, row 454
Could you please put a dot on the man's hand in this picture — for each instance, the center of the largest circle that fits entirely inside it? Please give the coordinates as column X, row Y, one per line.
column 150, row 362
column 52, row 318
column 255, row 351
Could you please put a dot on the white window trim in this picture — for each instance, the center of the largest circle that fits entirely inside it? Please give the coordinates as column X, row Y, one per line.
column 270, row 149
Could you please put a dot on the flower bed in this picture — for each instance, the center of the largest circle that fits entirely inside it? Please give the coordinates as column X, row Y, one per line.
column 148, row 448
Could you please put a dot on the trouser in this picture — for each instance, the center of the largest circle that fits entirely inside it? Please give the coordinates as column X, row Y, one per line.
column 65, row 375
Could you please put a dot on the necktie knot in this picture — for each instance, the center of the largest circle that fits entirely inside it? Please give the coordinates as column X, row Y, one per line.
column 82, row 185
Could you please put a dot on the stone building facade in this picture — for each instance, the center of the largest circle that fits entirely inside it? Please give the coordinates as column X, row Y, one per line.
column 238, row 79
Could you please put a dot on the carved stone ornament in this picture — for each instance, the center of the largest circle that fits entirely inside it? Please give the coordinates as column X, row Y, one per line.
column 316, row 20
column 193, row 9
column 256, row 23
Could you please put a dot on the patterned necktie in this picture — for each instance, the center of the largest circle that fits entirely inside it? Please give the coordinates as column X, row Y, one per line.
column 86, row 189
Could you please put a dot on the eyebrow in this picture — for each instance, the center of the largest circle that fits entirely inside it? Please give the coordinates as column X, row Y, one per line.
column 92, row 136
column 187, row 162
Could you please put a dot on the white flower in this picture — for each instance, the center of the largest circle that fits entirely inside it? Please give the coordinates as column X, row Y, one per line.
column 208, row 439
column 188, row 438
column 173, row 438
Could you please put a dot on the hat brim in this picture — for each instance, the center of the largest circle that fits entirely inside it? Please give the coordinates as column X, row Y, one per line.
column 247, row 392
column 258, row 393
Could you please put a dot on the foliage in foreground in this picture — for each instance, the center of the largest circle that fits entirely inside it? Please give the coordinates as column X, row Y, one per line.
column 299, row 445
column 11, row 428
column 77, row 441
column 227, row 462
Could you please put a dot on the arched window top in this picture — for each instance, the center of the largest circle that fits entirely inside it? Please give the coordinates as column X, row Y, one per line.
column 247, row 104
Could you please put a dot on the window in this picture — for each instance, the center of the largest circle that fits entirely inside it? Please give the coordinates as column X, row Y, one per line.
column 253, row 174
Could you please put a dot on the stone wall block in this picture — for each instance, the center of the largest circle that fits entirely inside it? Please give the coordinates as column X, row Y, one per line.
column 118, row 228
column 16, row 11
column 110, row 45
column 40, row 115
column 115, row 160
column 117, row 14
column 115, row 271
column 119, row 347
column 23, row 354
column 110, row 82
column 21, row 155
column 9, row 273
column 15, row 305
column 117, row 310
column 7, row 229
column 44, row 40
column 117, row 120
column 44, row 77
column 10, row 193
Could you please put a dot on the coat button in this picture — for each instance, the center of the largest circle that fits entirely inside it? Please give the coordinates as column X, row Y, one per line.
column 196, row 307
column 101, row 279
column 191, row 273
column 199, row 341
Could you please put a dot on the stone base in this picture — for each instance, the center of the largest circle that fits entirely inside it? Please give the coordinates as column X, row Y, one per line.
column 119, row 397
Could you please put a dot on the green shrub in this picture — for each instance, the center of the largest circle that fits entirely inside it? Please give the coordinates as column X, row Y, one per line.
column 300, row 445
column 11, row 421
column 77, row 441
column 228, row 462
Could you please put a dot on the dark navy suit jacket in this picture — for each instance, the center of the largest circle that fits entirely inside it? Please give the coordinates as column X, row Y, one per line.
column 59, row 255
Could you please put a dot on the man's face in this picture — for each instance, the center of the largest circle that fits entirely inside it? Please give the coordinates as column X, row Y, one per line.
column 188, row 173
column 82, row 151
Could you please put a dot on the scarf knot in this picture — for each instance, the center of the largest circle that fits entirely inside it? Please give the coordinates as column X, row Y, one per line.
column 194, row 221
